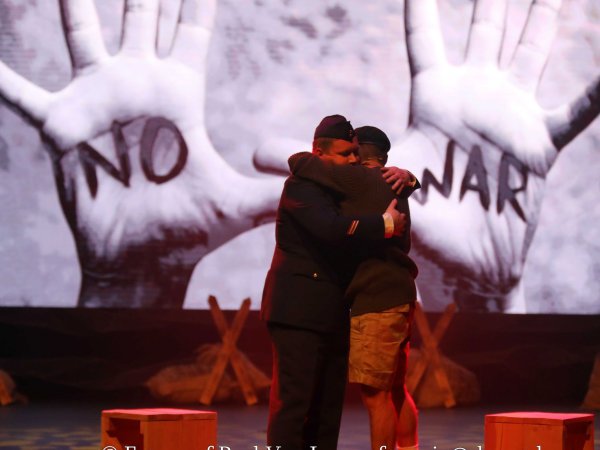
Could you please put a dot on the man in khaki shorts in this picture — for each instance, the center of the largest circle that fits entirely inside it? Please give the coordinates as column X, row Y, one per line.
column 382, row 289
column 379, row 345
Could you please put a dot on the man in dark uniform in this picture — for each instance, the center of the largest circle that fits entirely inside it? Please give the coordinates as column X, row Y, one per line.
column 382, row 291
column 303, row 299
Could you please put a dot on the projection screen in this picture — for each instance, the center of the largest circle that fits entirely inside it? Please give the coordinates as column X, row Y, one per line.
column 143, row 150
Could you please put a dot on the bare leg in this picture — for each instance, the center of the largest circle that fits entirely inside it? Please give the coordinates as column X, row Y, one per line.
column 382, row 417
column 407, row 423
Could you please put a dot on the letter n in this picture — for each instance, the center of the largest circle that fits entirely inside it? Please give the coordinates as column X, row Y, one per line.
column 90, row 158
column 476, row 169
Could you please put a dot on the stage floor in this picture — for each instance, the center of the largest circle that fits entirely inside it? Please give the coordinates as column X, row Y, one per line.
column 75, row 425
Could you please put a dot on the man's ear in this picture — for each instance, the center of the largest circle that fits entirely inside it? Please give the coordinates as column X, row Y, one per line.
column 317, row 151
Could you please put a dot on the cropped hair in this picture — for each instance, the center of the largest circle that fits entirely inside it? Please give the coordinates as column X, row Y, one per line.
column 323, row 143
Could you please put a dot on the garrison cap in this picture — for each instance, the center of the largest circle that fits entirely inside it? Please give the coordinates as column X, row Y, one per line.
column 335, row 127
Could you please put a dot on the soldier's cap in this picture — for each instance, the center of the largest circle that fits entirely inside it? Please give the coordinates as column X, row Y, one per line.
column 335, row 127
column 374, row 136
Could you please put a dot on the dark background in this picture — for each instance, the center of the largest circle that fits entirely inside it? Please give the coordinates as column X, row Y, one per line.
column 79, row 353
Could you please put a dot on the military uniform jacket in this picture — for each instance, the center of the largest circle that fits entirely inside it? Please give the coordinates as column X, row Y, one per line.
column 384, row 273
column 305, row 284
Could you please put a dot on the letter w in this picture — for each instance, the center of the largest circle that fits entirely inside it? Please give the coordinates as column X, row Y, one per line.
column 445, row 187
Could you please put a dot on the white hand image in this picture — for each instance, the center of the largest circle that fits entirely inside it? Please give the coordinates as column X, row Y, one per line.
column 143, row 190
column 479, row 221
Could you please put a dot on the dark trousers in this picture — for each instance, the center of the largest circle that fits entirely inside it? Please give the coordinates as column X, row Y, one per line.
column 307, row 392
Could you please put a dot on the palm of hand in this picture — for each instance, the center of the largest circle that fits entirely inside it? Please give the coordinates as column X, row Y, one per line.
column 132, row 160
column 480, row 218
column 464, row 220
column 163, row 182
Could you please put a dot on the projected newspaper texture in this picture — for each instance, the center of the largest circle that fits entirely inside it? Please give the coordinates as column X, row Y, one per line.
column 142, row 143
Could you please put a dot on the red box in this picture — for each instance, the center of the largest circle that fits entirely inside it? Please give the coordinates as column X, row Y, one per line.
column 539, row 431
column 159, row 429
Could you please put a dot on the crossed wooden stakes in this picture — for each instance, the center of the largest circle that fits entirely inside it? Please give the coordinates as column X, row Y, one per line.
column 229, row 353
column 5, row 396
column 430, row 354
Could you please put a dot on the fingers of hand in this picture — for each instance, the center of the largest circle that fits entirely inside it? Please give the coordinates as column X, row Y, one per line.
column 388, row 175
column 398, row 185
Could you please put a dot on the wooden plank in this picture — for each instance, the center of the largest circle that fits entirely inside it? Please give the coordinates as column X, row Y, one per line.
column 237, row 362
column 419, row 371
column 152, row 414
column 430, row 353
column 229, row 338
column 444, row 322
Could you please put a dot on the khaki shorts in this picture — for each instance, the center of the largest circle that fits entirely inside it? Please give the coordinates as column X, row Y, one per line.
column 379, row 344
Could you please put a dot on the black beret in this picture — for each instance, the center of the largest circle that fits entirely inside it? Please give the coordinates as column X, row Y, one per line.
column 374, row 136
column 335, row 127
